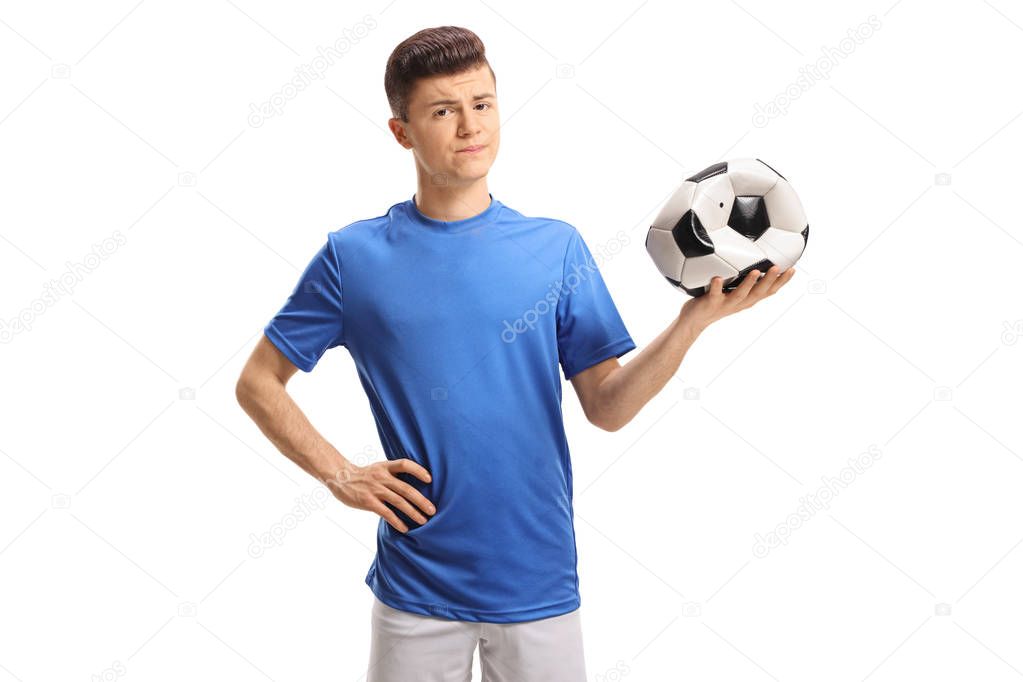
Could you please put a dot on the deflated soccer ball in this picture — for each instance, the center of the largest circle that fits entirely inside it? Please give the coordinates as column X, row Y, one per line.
column 725, row 221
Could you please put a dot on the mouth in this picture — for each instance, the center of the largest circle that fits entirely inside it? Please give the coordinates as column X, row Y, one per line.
column 471, row 150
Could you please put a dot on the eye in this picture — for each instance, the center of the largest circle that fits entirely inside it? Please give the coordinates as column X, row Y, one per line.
column 440, row 110
column 484, row 104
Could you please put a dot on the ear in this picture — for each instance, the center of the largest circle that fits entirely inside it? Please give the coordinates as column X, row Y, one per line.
column 397, row 127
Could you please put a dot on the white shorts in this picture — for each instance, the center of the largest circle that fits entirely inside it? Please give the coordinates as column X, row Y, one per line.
column 409, row 647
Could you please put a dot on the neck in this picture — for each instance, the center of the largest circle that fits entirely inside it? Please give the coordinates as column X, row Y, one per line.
column 451, row 202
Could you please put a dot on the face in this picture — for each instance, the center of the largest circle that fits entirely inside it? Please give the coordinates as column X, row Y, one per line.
column 448, row 114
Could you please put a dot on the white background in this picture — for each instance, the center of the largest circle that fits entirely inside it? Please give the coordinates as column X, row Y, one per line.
column 127, row 506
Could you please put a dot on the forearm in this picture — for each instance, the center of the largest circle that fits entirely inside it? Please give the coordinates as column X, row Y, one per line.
column 281, row 420
column 626, row 390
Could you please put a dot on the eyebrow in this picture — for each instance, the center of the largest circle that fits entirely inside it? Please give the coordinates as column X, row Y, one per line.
column 485, row 95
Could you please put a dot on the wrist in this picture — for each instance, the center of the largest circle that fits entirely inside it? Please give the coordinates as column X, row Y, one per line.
column 689, row 326
column 337, row 472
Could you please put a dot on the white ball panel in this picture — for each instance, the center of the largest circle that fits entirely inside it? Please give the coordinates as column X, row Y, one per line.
column 698, row 271
column 708, row 199
column 662, row 248
column 784, row 210
column 675, row 207
column 735, row 249
column 782, row 246
column 750, row 178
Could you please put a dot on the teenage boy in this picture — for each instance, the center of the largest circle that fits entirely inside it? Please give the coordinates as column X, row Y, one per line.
column 457, row 311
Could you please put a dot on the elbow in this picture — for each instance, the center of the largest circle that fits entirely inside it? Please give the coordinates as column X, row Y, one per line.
column 607, row 423
column 245, row 389
column 613, row 426
column 603, row 415
column 255, row 385
column 241, row 391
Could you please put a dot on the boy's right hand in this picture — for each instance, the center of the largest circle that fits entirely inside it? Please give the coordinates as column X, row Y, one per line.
column 370, row 486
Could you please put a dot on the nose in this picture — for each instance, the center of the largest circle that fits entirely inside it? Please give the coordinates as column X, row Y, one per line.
column 469, row 124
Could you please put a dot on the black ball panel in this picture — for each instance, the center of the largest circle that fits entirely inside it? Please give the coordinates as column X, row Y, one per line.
column 709, row 172
column 749, row 217
column 763, row 266
column 691, row 237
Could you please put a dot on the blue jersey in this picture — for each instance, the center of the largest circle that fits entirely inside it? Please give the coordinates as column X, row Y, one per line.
column 457, row 329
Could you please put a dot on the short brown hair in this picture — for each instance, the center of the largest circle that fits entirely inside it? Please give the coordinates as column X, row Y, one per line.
column 444, row 50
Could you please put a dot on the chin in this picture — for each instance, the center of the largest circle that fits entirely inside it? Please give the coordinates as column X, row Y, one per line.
column 465, row 174
column 467, row 179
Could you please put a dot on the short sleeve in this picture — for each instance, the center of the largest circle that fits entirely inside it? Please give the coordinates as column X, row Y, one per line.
column 310, row 321
column 589, row 327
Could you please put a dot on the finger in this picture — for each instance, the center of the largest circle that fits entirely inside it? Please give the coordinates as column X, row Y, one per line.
column 714, row 287
column 769, row 278
column 761, row 286
column 408, row 466
column 403, row 504
column 782, row 280
column 390, row 517
column 742, row 291
column 412, row 494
